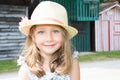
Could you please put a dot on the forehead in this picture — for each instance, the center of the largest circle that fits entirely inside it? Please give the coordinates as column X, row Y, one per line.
column 47, row 27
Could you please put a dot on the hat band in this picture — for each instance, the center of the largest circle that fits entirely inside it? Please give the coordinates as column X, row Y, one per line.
column 50, row 19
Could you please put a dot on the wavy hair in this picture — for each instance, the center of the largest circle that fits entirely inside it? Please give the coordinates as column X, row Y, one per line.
column 61, row 59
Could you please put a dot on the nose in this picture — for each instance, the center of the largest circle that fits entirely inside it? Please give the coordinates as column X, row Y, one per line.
column 49, row 37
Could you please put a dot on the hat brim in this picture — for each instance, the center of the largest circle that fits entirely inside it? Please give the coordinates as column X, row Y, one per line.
column 25, row 29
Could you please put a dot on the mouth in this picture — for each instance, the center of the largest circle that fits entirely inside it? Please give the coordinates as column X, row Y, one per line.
column 49, row 45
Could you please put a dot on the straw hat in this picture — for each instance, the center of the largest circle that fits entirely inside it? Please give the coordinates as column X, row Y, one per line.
column 47, row 12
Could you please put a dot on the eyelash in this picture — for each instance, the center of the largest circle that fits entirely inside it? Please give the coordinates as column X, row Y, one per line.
column 41, row 32
column 54, row 31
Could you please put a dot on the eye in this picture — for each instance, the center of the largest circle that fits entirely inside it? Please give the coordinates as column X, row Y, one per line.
column 41, row 32
column 56, row 31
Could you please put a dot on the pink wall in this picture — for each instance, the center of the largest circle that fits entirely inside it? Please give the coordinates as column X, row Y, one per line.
column 107, row 30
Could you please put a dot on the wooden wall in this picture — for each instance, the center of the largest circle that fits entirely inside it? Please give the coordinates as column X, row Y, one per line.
column 11, row 40
column 107, row 30
column 15, row 2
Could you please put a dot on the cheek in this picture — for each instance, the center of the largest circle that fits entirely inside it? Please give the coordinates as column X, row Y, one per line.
column 38, row 41
column 59, row 39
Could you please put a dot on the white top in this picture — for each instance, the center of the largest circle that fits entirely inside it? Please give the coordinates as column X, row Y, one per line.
column 47, row 76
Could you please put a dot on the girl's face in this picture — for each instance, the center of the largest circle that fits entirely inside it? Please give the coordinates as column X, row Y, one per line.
column 48, row 39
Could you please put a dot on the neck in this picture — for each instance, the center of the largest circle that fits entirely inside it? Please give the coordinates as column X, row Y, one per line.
column 46, row 65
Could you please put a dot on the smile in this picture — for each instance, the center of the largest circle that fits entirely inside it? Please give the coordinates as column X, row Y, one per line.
column 50, row 46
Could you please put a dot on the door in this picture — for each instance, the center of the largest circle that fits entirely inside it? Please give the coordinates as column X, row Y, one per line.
column 116, row 35
column 81, row 42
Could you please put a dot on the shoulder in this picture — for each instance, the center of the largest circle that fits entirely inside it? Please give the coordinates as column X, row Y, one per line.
column 75, row 72
column 75, row 54
column 22, row 73
column 75, row 64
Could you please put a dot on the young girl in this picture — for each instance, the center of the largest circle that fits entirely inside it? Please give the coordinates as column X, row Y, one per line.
column 47, row 53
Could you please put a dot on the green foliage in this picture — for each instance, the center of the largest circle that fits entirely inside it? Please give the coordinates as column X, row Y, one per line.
column 11, row 65
column 8, row 66
column 96, row 56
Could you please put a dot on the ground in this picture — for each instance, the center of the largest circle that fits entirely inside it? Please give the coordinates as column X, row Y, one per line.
column 97, row 70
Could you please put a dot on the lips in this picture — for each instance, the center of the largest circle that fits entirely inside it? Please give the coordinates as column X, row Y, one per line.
column 50, row 45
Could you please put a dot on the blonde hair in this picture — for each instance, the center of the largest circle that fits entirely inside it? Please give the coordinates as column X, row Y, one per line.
column 61, row 59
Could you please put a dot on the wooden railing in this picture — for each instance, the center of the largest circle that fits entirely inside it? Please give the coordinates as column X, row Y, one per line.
column 85, row 10
column 81, row 10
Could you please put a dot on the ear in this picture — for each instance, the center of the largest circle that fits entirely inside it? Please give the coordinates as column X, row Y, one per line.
column 32, row 38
